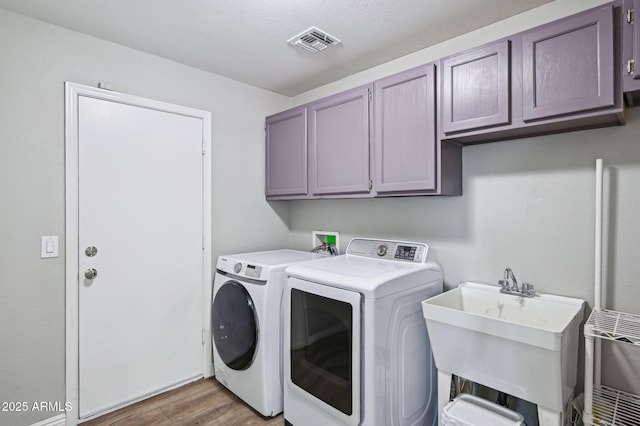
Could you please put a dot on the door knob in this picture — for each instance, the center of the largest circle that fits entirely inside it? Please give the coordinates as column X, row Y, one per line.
column 91, row 251
column 90, row 273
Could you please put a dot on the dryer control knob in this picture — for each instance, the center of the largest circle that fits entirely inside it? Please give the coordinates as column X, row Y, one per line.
column 237, row 268
column 382, row 249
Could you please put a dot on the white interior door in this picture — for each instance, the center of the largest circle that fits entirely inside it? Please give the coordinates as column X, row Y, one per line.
column 140, row 205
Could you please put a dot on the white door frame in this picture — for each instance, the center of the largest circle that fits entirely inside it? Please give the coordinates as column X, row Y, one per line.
column 72, row 93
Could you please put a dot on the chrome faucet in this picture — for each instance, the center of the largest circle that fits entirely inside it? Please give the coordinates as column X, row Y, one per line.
column 509, row 285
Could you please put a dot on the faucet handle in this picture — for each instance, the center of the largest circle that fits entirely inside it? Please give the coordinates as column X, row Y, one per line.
column 504, row 284
column 527, row 288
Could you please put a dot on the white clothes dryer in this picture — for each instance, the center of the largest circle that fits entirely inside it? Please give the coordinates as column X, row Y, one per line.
column 356, row 345
column 246, row 325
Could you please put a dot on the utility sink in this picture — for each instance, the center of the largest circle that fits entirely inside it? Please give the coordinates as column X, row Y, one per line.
column 523, row 346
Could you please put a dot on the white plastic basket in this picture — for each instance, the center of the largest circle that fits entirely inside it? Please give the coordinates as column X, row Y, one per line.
column 470, row 410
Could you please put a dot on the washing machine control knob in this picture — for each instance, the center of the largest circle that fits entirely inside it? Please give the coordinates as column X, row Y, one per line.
column 382, row 250
column 237, row 268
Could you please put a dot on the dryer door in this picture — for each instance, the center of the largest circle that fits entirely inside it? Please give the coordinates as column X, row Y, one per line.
column 234, row 324
column 322, row 352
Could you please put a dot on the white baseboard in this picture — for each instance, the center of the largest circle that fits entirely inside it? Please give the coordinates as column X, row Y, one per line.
column 59, row 420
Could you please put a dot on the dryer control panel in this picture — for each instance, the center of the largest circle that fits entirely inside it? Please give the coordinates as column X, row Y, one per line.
column 390, row 250
column 239, row 268
column 252, row 271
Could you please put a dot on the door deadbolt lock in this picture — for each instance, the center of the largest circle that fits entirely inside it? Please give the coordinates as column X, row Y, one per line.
column 90, row 273
column 91, row 251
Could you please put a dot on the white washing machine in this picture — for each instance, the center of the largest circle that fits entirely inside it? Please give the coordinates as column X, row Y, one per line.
column 246, row 325
column 356, row 345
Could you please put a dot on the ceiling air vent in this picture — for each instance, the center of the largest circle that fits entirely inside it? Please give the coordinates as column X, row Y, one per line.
column 314, row 40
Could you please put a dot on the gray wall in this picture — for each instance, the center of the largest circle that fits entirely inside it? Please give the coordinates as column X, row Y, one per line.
column 36, row 59
column 527, row 204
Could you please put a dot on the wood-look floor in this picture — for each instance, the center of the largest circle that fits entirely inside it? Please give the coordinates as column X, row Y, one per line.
column 204, row 402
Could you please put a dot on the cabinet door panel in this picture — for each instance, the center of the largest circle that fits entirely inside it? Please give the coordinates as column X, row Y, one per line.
column 404, row 132
column 339, row 143
column 286, row 153
column 631, row 44
column 476, row 88
column 568, row 66
column 630, row 13
column 636, row 38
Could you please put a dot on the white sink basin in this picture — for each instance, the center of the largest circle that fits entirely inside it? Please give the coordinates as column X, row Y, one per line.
column 526, row 347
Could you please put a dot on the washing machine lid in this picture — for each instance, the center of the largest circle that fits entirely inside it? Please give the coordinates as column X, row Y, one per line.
column 259, row 265
column 372, row 277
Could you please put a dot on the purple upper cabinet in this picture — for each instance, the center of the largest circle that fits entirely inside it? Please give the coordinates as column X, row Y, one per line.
column 631, row 51
column 404, row 131
column 339, row 143
column 286, row 153
column 476, row 88
column 568, row 66
column 562, row 76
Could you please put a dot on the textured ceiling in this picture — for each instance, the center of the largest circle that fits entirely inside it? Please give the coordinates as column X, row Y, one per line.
column 247, row 39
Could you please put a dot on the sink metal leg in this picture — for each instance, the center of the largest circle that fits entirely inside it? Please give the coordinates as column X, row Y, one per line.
column 444, row 392
column 589, row 356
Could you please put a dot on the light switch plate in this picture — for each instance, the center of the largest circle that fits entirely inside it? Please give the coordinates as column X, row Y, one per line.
column 49, row 247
